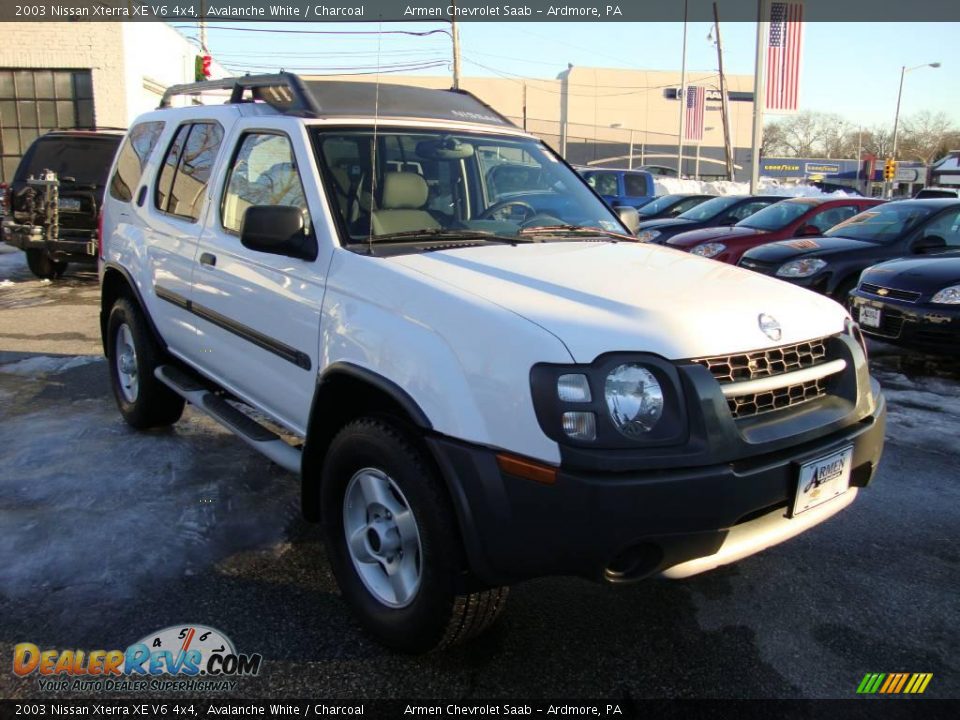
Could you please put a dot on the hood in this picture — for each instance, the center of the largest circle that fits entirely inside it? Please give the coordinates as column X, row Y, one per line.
column 920, row 274
column 603, row 297
column 693, row 238
column 661, row 223
column 802, row 247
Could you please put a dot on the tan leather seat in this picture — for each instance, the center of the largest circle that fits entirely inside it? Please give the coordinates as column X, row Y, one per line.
column 401, row 207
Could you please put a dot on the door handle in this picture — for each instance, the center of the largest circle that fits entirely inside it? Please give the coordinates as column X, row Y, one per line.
column 141, row 196
column 208, row 259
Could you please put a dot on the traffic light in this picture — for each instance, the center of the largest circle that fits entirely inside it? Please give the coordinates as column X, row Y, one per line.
column 201, row 67
column 889, row 169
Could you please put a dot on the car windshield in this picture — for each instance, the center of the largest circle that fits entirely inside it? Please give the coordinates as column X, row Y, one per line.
column 775, row 217
column 881, row 224
column 709, row 209
column 86, row 160
column 659, row 204
column 435, row 185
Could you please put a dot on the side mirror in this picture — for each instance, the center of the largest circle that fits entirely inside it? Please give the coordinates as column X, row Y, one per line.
column 629, row 217
column 928, row 243
column 808, row 231
column 278, row 230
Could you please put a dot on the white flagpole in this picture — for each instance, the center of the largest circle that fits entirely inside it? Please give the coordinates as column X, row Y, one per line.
column 759, row 96
column 683, row 94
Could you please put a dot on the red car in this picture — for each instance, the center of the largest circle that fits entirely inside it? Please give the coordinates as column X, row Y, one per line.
column 796, row 217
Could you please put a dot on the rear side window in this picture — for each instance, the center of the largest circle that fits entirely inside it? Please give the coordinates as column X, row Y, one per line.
column 636, row 185
column 84, row 159
column 133, row 155
column 603, row 183
column 186, row 170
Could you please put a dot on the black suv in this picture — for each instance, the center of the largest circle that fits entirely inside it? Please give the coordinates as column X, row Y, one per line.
column 55, row 198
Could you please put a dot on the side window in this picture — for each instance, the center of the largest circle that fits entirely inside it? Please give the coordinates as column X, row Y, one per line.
column 186, row 170
column 263, row 172
column 746, row 210
column 825, row 220
column 635, row 185
column 133, row 155
column 946, row 226
column 603, row 183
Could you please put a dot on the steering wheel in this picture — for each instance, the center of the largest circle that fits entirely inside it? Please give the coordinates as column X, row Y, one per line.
column 490, row 212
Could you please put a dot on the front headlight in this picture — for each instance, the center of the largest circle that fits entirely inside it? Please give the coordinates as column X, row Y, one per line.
column 947, row 296
column 709, row 250
column 801, row 268
column 648, row 235
column 634, row 399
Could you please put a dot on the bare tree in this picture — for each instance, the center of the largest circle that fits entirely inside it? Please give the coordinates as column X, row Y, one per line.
column 927, row 136
column 878, row 141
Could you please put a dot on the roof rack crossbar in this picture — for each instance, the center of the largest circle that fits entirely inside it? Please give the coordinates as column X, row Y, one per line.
column 283, row 91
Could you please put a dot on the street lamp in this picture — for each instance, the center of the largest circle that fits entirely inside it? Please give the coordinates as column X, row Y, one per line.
column 896, row 118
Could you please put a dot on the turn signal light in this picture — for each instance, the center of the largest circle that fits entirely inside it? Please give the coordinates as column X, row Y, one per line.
column 527, row 469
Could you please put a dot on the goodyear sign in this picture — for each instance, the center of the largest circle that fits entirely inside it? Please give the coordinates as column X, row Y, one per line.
column 821, row 168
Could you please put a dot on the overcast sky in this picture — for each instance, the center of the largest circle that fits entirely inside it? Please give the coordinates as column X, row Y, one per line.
column 849, row 68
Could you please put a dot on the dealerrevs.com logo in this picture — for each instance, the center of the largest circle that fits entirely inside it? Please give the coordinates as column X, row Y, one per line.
column 179, row 658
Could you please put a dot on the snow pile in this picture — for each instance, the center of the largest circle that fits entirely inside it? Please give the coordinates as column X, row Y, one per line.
column 47, row 364
column 6, row 283
column 768, row 186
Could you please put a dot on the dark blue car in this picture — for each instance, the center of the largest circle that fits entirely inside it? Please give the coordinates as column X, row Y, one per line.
column 621, row 187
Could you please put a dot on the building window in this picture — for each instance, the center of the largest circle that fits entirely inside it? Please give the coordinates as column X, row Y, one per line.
column 32, row 102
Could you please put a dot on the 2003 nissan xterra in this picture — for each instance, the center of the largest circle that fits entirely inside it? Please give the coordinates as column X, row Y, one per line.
column 478, row 375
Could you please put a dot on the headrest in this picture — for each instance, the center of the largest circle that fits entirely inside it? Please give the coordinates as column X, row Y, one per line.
column 403, row 190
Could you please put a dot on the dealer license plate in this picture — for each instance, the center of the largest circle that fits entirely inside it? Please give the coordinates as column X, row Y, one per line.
column 869, row 316
column 822, row 480
column 70, row 204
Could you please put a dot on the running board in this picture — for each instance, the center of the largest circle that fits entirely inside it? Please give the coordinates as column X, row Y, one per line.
column 246, row 428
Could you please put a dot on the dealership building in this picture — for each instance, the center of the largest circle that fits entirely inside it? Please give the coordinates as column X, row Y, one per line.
column 82, row 75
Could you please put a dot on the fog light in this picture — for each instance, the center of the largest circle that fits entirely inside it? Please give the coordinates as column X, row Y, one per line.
column 573, row 388
column 580, row 425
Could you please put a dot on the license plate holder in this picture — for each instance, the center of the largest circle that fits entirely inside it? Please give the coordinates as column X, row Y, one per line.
column 822, row 479
column 870, row 316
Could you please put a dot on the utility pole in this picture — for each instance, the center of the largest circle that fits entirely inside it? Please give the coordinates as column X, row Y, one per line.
column 203, row 28
column 524, row 104
column 455, row 35
column 759, row 98
column 724, row 108
column 683, row 94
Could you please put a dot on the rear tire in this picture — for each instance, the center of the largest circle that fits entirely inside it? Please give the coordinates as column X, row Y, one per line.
column 378, row 489
column 44, row 266
column 134, row 354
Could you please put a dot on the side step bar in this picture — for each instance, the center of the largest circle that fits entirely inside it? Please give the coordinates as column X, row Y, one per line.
column 249, row 430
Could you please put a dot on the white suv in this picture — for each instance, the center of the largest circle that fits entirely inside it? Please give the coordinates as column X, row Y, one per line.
column 479, row 376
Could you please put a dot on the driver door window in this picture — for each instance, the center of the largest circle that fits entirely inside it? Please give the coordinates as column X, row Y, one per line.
column 834, row 216
column 947, row 226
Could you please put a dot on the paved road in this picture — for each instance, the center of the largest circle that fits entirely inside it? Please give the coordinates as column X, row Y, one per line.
column 109, row 535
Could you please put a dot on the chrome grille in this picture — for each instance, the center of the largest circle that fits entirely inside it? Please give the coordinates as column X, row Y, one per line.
column 763, row 363
column 880, row 291
column 743, row 406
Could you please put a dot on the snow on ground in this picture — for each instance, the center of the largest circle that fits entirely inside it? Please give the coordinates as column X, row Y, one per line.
column 669, row 186
column 76, row 479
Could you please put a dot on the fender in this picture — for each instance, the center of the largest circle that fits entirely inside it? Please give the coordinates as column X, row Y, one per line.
column 105, row 311
column 397, row 393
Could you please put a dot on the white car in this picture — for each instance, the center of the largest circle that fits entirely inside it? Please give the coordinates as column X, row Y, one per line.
column 479, row 375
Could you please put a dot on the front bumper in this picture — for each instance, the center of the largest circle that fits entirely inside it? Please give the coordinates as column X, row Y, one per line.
column 929, row 327
column 624, row 526
column 78, row 248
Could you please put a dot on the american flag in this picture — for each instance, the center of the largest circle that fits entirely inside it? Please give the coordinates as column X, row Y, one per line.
column 783, row 55
column 694, row 121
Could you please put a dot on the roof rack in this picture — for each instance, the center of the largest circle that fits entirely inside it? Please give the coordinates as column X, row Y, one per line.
column 283, row 91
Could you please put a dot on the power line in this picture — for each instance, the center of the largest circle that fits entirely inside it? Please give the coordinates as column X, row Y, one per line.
column 415, row 33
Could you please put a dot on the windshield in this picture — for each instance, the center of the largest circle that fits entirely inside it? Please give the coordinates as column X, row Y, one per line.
column 85, row 159
column 775, row 217
column 658, row 204
column 881, row 224
column 709, row 209
column 410, row 183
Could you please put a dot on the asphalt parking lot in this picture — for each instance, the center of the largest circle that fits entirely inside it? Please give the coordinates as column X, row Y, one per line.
column 109, row 534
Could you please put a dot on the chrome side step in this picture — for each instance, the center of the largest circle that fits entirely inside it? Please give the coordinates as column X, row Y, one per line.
column 260, row 438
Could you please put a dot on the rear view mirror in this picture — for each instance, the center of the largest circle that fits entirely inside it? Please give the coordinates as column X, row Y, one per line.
column 629, row 217
column 928, row 243
column 278, row 230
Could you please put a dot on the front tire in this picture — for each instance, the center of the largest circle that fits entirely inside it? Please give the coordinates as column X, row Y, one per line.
column 44, row 266
column 393, row 542
column 134, row 354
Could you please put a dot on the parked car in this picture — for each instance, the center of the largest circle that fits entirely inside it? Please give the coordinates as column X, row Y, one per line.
column 938, row 192
column 621, row 187
column 914, row 302
column 660, row 170
column 56, row 196
column 671, row 206
column 832, row 263
column 470, row 398
column 795, row 217
column 715, row 212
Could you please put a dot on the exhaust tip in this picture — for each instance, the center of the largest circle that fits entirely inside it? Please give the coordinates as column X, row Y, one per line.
column 634, row 563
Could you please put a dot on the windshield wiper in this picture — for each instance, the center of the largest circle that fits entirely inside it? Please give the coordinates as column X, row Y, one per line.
column 441, row 235
column 574, row 230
